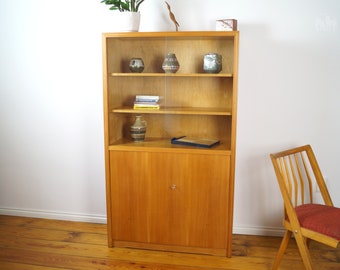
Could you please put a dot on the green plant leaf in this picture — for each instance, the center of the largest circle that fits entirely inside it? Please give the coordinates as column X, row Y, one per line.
column 126, row 5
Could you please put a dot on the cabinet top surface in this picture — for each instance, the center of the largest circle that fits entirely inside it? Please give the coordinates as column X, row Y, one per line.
column 202, row 34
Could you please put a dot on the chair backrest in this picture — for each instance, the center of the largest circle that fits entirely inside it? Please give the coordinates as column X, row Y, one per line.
column 299, row 177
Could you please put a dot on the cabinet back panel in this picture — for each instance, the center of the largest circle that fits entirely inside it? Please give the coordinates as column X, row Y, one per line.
column 173, row 91
column 189, row 53
column 166, row 127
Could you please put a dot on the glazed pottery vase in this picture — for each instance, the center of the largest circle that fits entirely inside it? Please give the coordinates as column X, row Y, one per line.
column 212, row 63
column 136, row 65
column 170, row 64
column 138, row 129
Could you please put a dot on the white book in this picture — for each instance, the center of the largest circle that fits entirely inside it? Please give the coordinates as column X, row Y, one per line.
column 147, row 98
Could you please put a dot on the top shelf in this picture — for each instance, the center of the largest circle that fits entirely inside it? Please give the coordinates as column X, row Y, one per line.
column 222, row 75
column 177, row 34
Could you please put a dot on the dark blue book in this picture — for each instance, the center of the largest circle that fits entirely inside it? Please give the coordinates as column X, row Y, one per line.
column 206, row 143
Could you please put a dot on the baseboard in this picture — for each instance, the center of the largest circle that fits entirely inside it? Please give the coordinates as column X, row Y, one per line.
column 264, row 231
column 246, row 230
column 53, row 215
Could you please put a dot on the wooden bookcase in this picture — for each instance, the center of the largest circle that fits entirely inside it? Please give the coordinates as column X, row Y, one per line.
column 160, row 195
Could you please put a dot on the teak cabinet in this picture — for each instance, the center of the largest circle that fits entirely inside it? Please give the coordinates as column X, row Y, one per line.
column 160, row 195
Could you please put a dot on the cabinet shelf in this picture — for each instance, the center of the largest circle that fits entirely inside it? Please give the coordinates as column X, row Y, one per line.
column 176, row 110
column 164, row 145
column 203, row 75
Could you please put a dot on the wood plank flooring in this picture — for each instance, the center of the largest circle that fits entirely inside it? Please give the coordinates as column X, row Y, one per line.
column 41, row 244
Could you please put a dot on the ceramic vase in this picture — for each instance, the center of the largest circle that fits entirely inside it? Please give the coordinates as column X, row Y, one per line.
column 138, row 129
column 136, row 65
column 170, row 63
column 212, row 63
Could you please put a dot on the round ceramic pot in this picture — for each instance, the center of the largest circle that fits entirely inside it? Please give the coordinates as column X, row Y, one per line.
column 126, row 21
column 136, row 65
column 212, row 63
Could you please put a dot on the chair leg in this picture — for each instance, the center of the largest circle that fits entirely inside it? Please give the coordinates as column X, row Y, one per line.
column 304, row 251
column 282, row 249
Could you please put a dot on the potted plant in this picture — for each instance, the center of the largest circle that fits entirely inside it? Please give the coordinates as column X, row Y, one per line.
column 128, row 13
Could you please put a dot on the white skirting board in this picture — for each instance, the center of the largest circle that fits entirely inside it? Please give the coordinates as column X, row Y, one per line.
column 53, row 215
column 265, row 231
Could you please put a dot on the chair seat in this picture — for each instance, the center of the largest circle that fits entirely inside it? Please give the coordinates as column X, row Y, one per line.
column 320, row 218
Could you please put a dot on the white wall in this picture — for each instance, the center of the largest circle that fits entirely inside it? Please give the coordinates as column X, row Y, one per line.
column 51, row 124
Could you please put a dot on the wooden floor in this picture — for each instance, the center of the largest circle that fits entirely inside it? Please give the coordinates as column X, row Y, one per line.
column 29, row 243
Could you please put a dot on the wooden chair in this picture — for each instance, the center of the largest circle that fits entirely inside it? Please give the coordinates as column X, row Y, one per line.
column 299, row 177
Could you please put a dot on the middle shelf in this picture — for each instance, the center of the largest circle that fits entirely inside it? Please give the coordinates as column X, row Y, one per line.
column 175, row 110
column 179, row 74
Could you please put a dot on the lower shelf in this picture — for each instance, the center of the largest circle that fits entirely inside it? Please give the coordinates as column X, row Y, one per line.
column 164, row 145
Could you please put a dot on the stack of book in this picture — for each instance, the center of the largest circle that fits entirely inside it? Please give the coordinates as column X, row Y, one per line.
column 143, row 102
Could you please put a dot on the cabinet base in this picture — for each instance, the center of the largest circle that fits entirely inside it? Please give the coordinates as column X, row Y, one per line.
column 172, row 248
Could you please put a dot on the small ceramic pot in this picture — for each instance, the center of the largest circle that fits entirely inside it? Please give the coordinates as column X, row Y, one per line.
column 136, row 65
column 212, row 63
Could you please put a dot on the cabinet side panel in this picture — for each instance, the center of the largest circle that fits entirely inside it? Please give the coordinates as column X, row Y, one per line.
column 233, row 136
column 106, row 137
